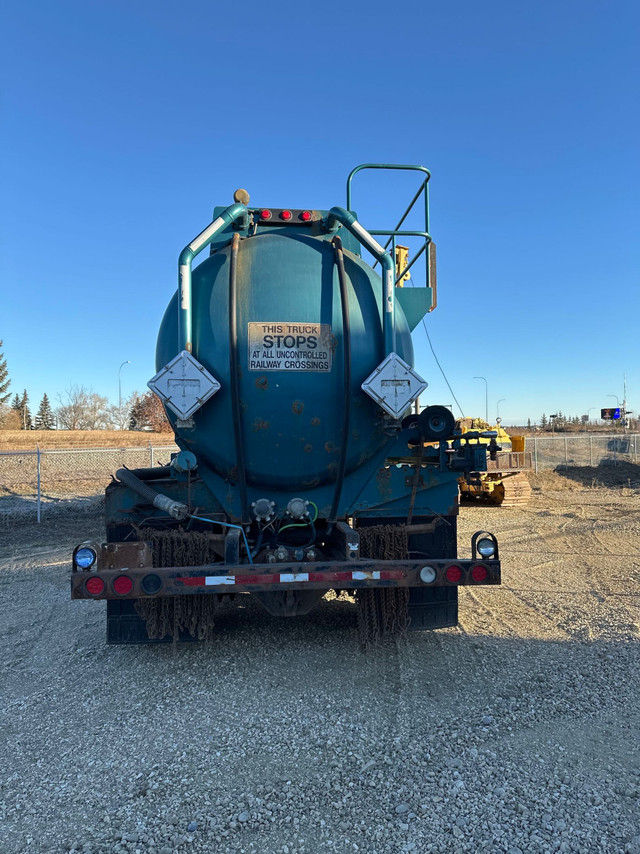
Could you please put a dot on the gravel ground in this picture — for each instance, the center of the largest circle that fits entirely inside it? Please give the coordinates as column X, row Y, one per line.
column 516, row 732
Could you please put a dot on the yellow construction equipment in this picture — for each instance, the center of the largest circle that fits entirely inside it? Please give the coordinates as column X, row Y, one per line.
column 505, row 482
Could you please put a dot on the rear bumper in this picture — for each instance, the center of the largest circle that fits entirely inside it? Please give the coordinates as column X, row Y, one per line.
column 148, row 581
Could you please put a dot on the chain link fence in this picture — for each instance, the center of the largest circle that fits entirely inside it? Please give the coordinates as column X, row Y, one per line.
column 39, row 485
column 563, row 451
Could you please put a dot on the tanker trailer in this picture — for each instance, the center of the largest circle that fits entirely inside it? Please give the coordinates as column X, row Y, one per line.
column 285, row 365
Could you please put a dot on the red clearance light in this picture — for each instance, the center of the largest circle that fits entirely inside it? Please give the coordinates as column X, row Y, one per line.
column 285, row 215
column 453, row 574
column 94, row 586
column 305, row 216
column 265, row 214
column 123, row 585
column 479, row 573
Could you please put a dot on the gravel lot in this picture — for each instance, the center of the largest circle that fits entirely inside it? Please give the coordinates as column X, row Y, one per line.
column 516, row 732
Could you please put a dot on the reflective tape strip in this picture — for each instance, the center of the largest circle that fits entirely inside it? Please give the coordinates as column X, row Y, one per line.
column 290, row 578
column 294, row 576
column 185, row 286
column 389, row 285
column 198, row 242
column 366, row 238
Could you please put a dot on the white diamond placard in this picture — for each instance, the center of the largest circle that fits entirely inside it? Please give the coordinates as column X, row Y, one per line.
column 184, row 385
column 394, row 385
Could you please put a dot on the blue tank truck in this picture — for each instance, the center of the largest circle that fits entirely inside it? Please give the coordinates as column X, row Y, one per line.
column 285, row 364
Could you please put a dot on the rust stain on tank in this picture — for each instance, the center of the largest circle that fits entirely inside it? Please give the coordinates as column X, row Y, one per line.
column 297, row 406
column 261, row 383
column 329, row 447
column 308, row 449
column 260, row 424
column 310, row 484
column 315, row 421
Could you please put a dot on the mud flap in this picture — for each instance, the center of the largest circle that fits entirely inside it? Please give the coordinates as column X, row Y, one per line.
column 436, row 608
column 125, row 626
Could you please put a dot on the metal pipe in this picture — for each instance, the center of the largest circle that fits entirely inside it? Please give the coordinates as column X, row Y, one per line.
column 399, row 166
column 346, row 357
column 388, row 275
column 185, row 261
column 234, row 367
column 38, row 500
column 486, row 397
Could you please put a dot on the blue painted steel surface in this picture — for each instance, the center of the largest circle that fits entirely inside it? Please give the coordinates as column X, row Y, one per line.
column 291, row 419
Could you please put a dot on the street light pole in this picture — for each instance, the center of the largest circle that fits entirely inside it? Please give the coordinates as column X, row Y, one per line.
column 486, row 398
column 128, row 362
column 502, row 400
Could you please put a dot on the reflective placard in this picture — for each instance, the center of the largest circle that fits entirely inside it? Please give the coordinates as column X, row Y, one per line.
column 290, row 346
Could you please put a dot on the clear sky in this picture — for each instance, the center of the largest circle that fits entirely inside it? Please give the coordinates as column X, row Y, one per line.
column 124, row 123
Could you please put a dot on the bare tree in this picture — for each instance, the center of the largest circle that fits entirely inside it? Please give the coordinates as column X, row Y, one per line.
column 83, row 409
column 147, row 413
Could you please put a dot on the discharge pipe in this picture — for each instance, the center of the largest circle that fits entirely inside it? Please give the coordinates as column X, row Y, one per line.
column 185, row 262
column 162, row 502
column 346, row 218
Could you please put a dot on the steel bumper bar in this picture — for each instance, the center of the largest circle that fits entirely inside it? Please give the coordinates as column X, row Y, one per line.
column 218, row 578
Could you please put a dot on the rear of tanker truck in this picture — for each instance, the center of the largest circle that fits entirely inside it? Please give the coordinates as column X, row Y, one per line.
column 305, row 463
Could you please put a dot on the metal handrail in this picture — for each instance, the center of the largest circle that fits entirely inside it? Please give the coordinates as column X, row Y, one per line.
column 396, row 232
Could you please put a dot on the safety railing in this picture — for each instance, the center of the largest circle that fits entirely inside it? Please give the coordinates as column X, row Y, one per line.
column 393, row 234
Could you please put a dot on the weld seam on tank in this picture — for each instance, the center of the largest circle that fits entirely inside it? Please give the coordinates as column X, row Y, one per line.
column 346, row 359
column 162, row 502
column 234, row 367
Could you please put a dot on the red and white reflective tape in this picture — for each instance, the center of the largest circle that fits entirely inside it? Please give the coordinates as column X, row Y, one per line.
column 289, row 578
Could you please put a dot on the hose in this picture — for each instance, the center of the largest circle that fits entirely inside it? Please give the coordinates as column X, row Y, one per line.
column 162, row 502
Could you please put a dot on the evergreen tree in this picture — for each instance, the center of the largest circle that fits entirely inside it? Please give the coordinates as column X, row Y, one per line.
column 5, row 382
column 44, row 418
column 543, row 421
column 528, row 422
column 25, row 413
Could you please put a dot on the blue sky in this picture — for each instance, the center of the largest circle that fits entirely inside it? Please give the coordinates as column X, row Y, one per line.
column 123, row 124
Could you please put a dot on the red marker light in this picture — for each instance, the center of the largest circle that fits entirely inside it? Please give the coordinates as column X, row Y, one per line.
column 454, row 574
column 285, row 215
column 94, row 586
column 479, row 573
column 305, row 216
column 265, row 214
column 123, row 585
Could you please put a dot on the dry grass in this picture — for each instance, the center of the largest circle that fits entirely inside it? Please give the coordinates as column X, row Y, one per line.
column 622, row 474
column 26, row 440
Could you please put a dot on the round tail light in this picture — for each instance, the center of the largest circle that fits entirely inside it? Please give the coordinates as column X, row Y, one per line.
column 265, row 214
column 479, row 573
column 453, row 574
column 285, row 215
column 151, row 583
column 427, row 575
column 123, row 585
column 94, row 586
column 305, row 216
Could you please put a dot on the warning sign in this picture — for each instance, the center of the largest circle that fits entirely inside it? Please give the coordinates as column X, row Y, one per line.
column 289, row 347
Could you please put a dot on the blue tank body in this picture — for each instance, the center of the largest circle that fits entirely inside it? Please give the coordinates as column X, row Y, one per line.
column 291, row 404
